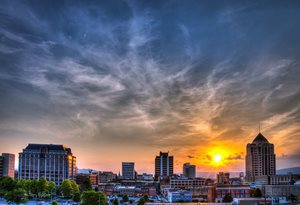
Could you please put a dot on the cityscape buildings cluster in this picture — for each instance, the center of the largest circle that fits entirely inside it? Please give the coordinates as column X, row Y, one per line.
column 57, row 163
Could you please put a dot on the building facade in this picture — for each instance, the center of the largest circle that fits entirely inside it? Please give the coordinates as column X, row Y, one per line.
column 128, row 170
column 164, row 165
column 260, row 158
column 7, row 165
column 189, row 170
column 233, row 191
column 180, row 196
column 180, row 183
column 223, row 178
column 53, row 162
column 105, row 177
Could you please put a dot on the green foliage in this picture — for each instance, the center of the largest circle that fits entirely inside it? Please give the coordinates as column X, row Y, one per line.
column 41, row 186
column 21, row 183
column 86, row 185
column 34, row 187
column 115, row 201
column 257, row 193
column 66, row 188
column 227, row 198
column 17, row 196
column 93, row 198
column 27, row 186
column 77, row 197
column 74, row 186
column 143, row 200
column 51, row 186
column 54, row 203
column 7, row 184
column 125, row 198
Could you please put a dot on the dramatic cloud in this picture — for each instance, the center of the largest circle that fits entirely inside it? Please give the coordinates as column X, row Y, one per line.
column 122, row 80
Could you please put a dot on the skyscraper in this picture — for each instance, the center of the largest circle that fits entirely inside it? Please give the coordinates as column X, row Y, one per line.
column 128, row 170
column 54, row 162
column 260, row 158
column 7, row 165
column 189, row 170
column 163, row 165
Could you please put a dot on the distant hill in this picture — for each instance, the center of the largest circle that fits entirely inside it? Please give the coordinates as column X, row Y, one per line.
column 84, row 171
column 294, row 170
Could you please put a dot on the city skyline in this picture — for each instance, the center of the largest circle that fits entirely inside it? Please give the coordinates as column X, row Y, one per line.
column 121, row 81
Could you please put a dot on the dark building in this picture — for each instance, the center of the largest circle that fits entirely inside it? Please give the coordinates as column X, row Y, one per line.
column 128, row 170
column 54, row 162
column 260, row 159
column 7, row 165
column 164, row 165
column 189, row 170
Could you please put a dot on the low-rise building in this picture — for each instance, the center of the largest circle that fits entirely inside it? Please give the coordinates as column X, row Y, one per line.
column 281, row 191
column 180, row 196
column 241, row 191
column 93, row 177
column 185, row 183
column 106, row 177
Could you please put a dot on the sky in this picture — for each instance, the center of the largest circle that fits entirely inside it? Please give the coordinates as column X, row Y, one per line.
column 123, row 80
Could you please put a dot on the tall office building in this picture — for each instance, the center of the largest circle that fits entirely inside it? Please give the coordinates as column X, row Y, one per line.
column 7, row 165
column 189, row 170
column 164, row 165
column 54, row 162
column 128, row 170
column 260, row 159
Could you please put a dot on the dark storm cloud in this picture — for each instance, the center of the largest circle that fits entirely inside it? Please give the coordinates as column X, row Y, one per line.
column 169, row 73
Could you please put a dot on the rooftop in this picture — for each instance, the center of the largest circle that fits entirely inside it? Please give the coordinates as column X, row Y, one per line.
column 260, row 139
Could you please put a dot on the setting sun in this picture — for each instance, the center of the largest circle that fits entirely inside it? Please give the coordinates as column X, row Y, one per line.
column 217, row 158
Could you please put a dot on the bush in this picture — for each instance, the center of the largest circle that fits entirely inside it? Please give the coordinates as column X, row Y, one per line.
column 54, row 203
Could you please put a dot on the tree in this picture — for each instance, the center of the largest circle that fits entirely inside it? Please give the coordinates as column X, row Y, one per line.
column 93, row 198
column 7, row 184
column 76, row 197
column 257, row 193
column 141, row 201
column 41, row 186
column 21, row 183
column 125, row 198
column 227, row 198
column 17, row 196
column 66, row 188
column 86, row 185
column 146, row 198
column 34, row 187
column 54, row 203
column 27, row 186
column 115, row 201
column 74, row 186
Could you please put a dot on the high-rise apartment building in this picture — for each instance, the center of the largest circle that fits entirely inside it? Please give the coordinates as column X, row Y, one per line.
column 54, row 162
column 128, row 170
column 7, row 165
column 189, row 170
column 260, row 159
column 164, row 165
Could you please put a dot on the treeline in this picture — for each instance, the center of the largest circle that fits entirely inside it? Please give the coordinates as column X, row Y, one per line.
column 19, row 191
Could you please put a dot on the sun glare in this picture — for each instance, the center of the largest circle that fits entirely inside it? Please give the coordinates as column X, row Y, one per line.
column 217, row 158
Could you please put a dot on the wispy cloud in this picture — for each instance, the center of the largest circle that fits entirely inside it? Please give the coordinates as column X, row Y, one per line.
column 145, row 78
